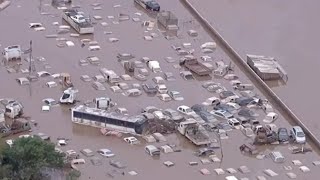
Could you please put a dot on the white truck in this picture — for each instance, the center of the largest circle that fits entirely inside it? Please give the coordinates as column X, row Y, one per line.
column 12, row 53
column 194, row 132
column 77, row 20
column 69, row 96
column 110, row 75
column 14, row 109
column 154, row 66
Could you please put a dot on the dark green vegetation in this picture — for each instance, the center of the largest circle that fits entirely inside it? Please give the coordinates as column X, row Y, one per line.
column 25, row 159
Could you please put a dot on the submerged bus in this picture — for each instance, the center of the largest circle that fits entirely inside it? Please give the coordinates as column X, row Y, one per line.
column 110, row 120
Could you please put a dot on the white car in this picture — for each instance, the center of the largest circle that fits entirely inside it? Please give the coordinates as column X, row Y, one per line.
column 131, row 140
column 162, row 89
column 23, row 81
column 234, row 123
column 212, row 101
column 271, row 117
column 164, row 97
column 152, row 150
column 70, row 153
column 222, row 114
column 36, row 26
column 62, row 142
column 78, row 18
column 206, row 58
column 43, row 74
column 185, row 110
column 50, row 101
column 159, row 115
column 158, row 80
column 234, row 105
column 298, row 134
column 121, row 110
column 175, row 95
column 116, row 89
column 98, row 86
column 106, row 153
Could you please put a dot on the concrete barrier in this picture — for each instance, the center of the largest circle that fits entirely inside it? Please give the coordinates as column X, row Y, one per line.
column 270, row 95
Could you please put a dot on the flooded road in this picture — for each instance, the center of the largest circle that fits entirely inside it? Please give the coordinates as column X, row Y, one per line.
column 286, row 30
column 57, row 122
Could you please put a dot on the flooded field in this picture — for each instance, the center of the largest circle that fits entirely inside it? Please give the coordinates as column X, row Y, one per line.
column 285, row 30
column 57, row 123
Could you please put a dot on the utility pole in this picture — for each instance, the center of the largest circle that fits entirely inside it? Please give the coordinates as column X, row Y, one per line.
column 31, row 67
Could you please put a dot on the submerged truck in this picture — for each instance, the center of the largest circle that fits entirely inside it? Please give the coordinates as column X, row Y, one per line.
column 110, row 75
column 77, row 20
column 17, row 126
column 194, row 132
column 195, row 66
column 12, row 53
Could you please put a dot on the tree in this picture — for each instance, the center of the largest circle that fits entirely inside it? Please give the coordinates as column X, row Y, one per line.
column 28, row 155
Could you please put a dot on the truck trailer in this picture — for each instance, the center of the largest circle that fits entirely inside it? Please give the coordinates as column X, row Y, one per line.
column 195, row 66
column 194, row 132
column 76, row 20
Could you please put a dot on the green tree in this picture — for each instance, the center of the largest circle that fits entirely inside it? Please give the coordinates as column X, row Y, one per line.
column 27, row 156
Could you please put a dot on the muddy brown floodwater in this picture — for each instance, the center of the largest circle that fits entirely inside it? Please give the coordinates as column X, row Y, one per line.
column 57, row 123
column 286, row 30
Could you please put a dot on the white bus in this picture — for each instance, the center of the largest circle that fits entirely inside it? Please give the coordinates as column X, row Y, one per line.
column 109, row 120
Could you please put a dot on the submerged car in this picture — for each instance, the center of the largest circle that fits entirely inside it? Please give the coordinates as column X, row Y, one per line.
column 222, row 114
column 149, row 88
column 283, row 135
column 149, row 5
column 298, row 134
column 117, row 164
column 164, row 97
column 173, row 115
column 204, row 152
column 152, row 150
column 175, row 95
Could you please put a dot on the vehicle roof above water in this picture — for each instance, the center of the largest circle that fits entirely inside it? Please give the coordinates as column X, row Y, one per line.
column 100, row 112
column 152, row 148
column 297, row 128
